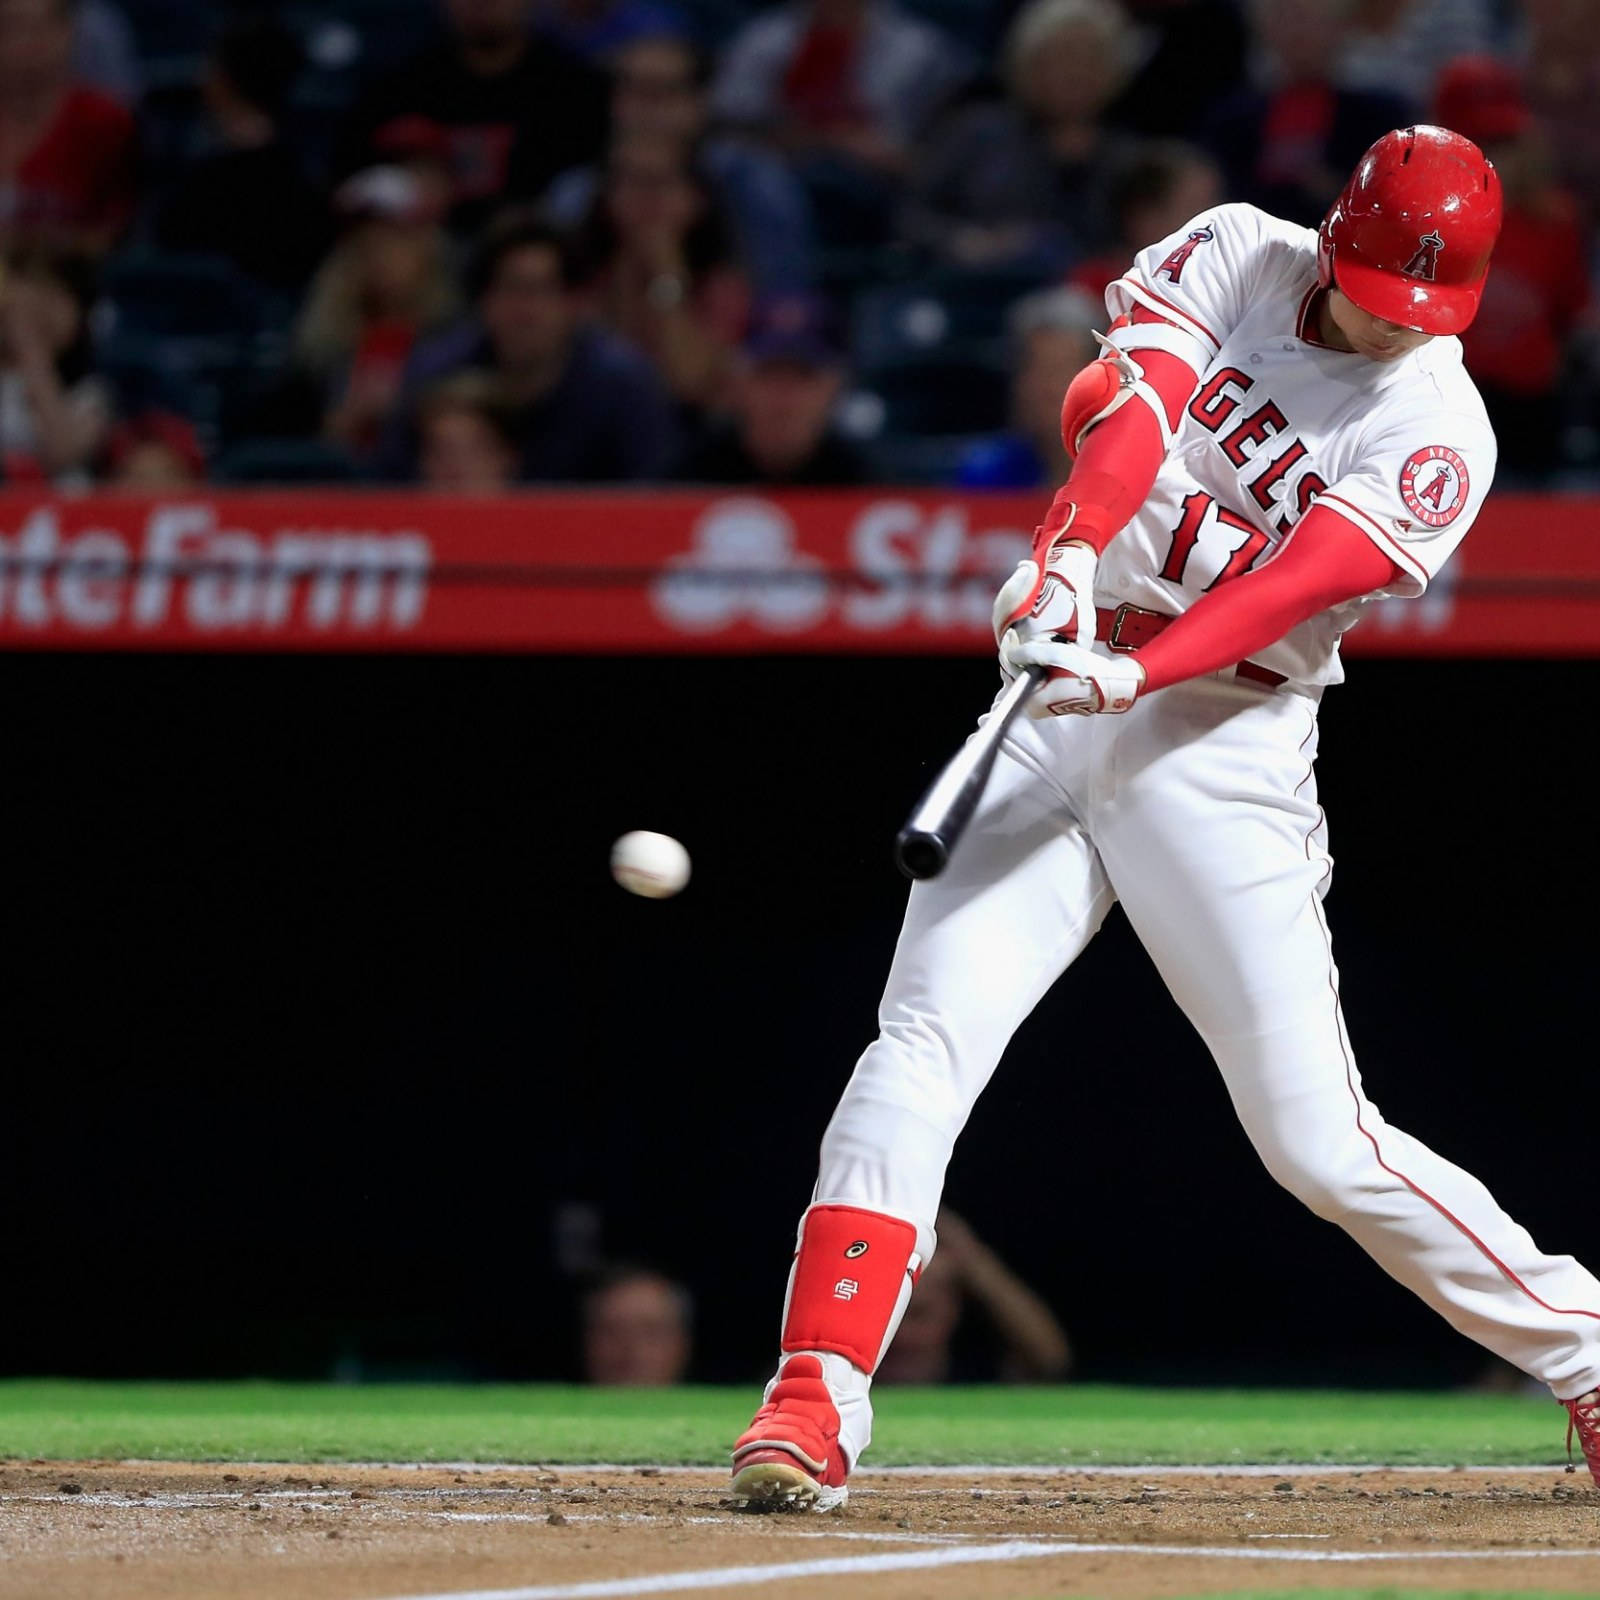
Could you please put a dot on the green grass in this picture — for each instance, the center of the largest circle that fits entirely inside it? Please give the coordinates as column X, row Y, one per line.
column 1085, row 1425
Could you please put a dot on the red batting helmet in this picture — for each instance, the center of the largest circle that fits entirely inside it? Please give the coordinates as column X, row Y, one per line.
column 1409, row 238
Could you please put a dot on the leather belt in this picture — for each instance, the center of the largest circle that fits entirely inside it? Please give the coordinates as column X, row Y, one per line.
column 1130, row 627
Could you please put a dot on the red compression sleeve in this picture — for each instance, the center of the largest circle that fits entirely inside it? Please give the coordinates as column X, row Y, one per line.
column 1326, row 561
column 1120, row 457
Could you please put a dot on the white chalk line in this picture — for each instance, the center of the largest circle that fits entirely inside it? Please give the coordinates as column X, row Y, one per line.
column 913, row 1560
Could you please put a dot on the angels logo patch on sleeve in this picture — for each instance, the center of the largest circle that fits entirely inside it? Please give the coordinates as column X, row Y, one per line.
column 1434, row 484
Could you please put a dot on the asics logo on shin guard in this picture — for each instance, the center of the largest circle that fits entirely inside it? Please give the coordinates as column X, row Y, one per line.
column 848, row 1314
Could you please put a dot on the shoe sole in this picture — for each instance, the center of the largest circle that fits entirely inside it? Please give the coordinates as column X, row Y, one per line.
column 772, row 1486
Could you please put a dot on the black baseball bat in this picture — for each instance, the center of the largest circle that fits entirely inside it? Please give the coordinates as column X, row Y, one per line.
column 922, row 848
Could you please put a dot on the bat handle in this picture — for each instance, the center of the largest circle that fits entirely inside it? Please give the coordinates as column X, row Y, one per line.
column 924, row 844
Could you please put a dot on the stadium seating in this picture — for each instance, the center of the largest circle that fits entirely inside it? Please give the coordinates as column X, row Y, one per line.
column 257, row 461
column 189, row 333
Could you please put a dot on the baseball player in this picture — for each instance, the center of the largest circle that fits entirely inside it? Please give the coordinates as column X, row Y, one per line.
column 1279, row 432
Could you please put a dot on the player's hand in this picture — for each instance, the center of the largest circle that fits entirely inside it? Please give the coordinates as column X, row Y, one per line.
column 1080, row 682
column 1048, row 598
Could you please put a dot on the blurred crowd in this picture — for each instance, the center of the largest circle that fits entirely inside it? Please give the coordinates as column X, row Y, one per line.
column 476, row 243
column 971, row 1319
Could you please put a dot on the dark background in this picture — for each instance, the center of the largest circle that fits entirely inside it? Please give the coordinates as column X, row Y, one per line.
column 321, row 1006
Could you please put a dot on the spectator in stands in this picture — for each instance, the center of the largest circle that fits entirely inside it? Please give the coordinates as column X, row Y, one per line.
column 468, row 436
column 637, row 1329
column 659, row 92
column 588, row 407
column 1025, row 1342
column 156, row 450
column 511, row 108
column 67, row 167
column 1288, row 143
column 251, row 202
column 421, row 148
column 1538, row 293
column 105, row 54
column 780, row 429
column 1052, row 336
column 844, row 87
column 600, row 30
column 1400, row 47
column 389, row 281
column 55, row 412
column 1023, row 182
column 1157, row 188
column 658, row 267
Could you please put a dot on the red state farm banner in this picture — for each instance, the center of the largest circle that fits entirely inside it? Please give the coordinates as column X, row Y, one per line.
column 667, row 571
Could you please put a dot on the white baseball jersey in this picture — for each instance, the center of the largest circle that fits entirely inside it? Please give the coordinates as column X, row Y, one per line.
column 1402, row 449
column 1197, row 811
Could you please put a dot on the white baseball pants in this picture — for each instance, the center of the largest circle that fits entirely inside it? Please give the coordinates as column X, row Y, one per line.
column 1197, row 809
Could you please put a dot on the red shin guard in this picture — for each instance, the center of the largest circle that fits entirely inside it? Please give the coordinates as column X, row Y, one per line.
column 849, row 1275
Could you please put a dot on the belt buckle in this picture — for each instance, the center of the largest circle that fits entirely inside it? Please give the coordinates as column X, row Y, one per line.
column 1124, row 611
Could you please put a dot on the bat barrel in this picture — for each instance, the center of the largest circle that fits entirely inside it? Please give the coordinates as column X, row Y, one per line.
column 922, row 848
column 920, row 854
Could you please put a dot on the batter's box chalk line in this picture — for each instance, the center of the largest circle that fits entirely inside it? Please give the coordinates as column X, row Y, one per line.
column 948, row 1556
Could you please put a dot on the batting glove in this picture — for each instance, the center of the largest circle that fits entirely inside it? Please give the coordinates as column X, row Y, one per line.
column 1049, row 597
column 1080, row 682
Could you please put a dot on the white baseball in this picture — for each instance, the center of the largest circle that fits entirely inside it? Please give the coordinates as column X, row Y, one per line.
column 652, row 864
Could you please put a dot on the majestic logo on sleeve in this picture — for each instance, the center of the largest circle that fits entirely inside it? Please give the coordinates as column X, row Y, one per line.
column 1172, row 267
column 1425, row 263
column 1434, row 484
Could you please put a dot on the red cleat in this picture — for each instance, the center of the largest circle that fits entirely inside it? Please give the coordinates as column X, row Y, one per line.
column 789, row 1459
column 1583, row 1419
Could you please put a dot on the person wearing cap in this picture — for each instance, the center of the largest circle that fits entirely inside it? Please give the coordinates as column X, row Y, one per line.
column 154, row 451
column 1539, row 294
column 389, row 281
column 251, row 201
column 779, row 430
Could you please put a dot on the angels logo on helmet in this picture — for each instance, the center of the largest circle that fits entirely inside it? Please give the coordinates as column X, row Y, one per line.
column 1425, row 263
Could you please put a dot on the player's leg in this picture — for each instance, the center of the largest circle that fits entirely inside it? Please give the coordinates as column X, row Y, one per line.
column 979, row 946
column 1219, row 861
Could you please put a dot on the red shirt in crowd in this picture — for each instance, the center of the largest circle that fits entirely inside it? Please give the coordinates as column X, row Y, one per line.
column 819, row 87
column 1538, row 289
column 80, row 175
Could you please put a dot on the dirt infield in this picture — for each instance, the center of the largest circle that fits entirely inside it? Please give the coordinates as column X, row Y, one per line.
column 71, row 1531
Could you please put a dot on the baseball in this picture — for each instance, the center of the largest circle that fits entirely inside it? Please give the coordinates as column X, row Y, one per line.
column 652, row 864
